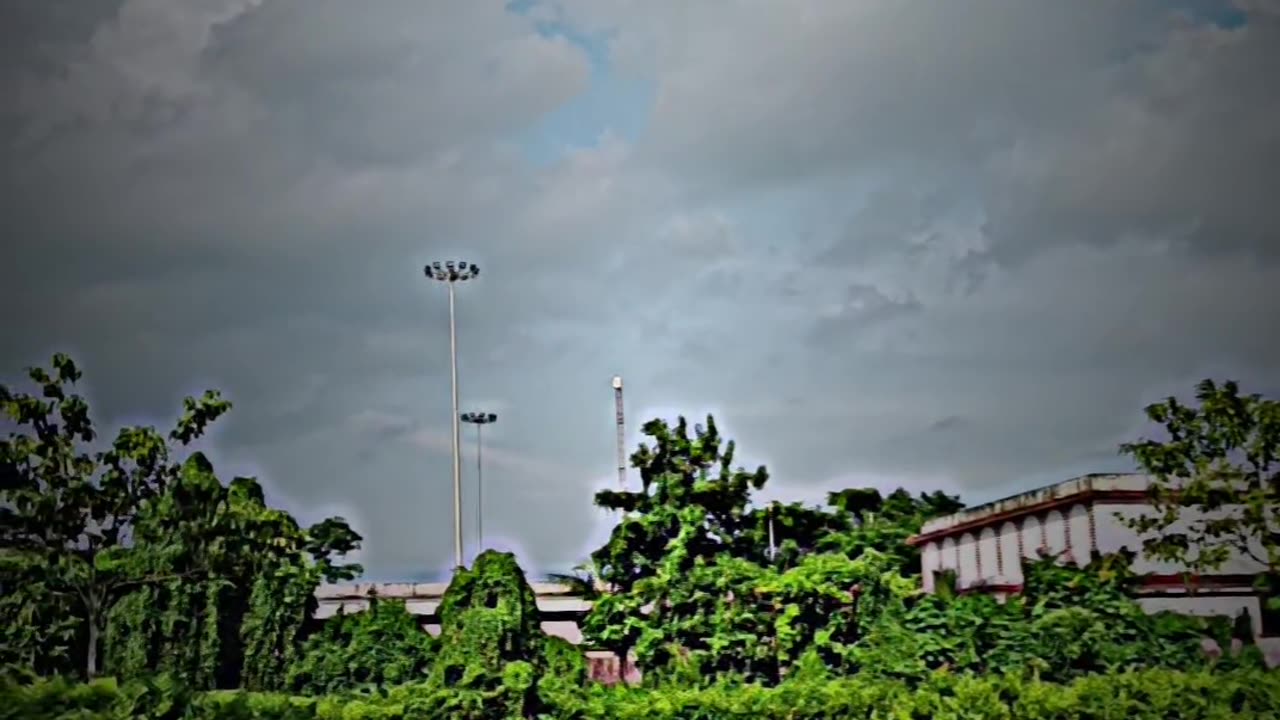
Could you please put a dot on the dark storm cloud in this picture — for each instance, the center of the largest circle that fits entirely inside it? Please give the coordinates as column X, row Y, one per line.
column 242, row 194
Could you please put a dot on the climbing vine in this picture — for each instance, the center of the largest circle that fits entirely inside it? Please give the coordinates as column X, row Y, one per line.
column 381, row 646
column 131, row 557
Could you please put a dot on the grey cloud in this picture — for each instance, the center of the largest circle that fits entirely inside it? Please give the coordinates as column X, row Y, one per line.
column 1076, row 122
column 892, row 217
column 949, row 422
column 223, row 247
column 1181, row 147
column 247, row 204
column 831, row 86
column 434, row 75
column 863, row 306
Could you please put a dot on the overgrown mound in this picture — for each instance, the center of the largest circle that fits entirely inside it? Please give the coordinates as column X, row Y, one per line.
column 488, row 619
column 492, row 647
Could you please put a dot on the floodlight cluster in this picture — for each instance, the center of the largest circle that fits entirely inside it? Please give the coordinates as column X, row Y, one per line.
column 451, row 271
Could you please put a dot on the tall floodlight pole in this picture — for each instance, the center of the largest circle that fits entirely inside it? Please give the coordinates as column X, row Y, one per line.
column 450, row 274
column 618, row 420
column 479, row 420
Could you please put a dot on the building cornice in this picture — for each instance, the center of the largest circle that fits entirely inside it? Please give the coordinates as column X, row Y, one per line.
column 999, row 516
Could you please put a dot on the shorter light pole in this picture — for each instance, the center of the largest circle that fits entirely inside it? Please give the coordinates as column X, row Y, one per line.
column 479, row 420
column 773, row 549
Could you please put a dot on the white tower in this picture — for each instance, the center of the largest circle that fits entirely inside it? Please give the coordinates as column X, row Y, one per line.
column 622, row 452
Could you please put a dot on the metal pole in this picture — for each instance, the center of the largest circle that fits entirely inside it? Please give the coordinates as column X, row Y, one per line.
column 479, row 419
column 479, row 486
column 451, row 273
column 773, row 550
column 457, row 444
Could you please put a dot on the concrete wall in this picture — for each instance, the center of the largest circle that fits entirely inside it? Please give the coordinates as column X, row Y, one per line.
column 1114, row 534
column 1227, row 605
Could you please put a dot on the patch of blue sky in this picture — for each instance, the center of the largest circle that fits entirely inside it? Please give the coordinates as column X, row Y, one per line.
column 610, row 105
column 1222, row 13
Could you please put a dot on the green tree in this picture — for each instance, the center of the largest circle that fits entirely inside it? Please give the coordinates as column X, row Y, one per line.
column 152, row 559
column 1216, row 490
column 884, row 523
column 248, row 574
column 67, row 514
column 692, row 504
column 676, row 476
column 698, row 587
column 780, row 534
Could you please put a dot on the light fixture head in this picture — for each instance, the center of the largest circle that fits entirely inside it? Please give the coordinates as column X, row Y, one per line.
column 617, row 382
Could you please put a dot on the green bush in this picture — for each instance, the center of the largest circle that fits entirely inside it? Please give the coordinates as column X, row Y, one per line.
column 384, row 645
column 1143, row 695
column 59, row 698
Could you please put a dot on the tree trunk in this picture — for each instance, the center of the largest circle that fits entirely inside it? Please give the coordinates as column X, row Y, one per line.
column 91, row 661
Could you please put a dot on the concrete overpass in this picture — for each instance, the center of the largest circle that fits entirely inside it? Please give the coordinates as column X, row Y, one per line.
column 561, row 614
column 561, row 611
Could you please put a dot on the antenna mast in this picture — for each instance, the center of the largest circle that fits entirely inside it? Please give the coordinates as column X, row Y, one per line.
column 622, row 457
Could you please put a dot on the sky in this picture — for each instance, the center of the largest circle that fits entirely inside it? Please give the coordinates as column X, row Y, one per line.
column 950, row 246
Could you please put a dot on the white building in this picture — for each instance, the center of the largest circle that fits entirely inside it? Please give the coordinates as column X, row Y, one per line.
column 987, row 545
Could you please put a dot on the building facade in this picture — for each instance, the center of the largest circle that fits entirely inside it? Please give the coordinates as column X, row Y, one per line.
column 986, row 547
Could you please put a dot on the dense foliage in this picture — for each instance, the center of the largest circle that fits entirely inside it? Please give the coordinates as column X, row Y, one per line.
column 494, row 658
column 1221, row 461
column 1066, row 623
column 1145, row 695
column 701, row 593
column 152, row 558
column 183, row 584
column 704, row 584
column 381, row 645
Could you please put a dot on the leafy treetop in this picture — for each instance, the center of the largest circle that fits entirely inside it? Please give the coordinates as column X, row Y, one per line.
column 69, row 513
column 688, row 485
column 1220, row 461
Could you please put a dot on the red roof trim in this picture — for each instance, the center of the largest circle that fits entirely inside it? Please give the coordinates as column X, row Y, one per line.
column 1154, row 582
column 1114, row 497
column 1204, row 582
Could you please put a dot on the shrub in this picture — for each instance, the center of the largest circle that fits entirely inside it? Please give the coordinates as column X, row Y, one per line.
column 384, row 645
column 1143, row 695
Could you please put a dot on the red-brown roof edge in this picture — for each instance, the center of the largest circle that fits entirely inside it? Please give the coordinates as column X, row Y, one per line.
column 1117, row 497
